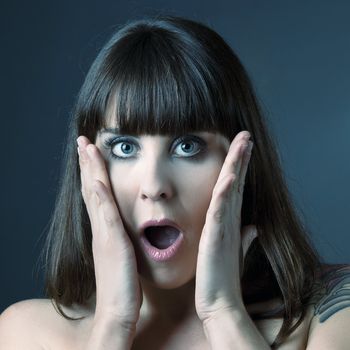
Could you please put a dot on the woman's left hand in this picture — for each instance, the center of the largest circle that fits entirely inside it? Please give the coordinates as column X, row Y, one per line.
column 223, row 245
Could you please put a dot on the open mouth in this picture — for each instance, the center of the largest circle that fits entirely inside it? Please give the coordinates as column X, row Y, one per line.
column 161, row 237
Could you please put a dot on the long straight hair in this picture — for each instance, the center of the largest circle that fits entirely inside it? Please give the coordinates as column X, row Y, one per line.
column 171, row 75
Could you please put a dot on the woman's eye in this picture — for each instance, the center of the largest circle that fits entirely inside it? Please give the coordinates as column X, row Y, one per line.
column 189, row 147
column 123, row 149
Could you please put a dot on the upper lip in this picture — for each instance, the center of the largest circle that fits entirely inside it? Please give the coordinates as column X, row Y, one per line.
column 159, row 222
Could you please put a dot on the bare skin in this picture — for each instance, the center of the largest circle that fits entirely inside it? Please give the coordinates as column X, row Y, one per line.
column 41, row 327
column 170, row 316
column 42, row 322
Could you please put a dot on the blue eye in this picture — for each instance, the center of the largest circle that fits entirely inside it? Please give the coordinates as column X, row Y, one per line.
column 189, row 146
column 125, row 148
column 121, row 147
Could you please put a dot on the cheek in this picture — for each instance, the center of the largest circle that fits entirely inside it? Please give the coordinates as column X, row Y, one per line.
column 198, row 190
column 201, row 183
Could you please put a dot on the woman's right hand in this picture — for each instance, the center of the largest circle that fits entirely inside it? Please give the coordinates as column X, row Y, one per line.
column 118, row 290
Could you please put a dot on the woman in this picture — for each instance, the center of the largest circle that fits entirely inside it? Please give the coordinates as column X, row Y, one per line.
column 154, row 245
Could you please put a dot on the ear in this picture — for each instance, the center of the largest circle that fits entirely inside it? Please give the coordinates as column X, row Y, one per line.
column 248, row 234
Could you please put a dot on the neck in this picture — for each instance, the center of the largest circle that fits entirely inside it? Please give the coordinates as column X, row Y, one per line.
column 168, row 304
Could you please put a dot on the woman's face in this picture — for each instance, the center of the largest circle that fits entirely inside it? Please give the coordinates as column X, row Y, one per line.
column 157, row 177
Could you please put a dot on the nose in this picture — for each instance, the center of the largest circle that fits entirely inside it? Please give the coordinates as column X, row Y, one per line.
column 155, row 182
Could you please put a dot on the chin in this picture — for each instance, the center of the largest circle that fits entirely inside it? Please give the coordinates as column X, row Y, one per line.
column 166, row 275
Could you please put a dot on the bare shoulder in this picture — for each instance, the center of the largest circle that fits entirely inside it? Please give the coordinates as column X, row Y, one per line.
column 329, row 328
column 35, row 324
column 20, row 324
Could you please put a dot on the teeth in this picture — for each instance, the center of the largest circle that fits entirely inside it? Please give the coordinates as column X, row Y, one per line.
column 161, row 237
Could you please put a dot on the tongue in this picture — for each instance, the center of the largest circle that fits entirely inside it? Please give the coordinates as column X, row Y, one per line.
column 161, row 237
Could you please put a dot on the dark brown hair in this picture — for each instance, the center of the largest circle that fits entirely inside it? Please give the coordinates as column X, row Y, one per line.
column 171, row 75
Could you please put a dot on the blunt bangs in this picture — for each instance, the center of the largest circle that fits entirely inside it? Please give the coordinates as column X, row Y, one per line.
column 159, row 81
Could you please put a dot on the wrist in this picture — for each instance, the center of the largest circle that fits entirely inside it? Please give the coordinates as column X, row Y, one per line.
column 109, row 333
column 233, row 329
column 111, row 322
column 218, row 329
column 230, row 316
column 230, row 310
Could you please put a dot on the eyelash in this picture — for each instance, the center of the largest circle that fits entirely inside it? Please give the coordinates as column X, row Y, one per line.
column 112, row 141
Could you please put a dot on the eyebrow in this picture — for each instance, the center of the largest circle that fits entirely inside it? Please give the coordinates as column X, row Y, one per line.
column 110, row 130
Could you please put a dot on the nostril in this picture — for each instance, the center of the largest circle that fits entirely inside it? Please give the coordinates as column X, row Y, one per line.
column 162, row 195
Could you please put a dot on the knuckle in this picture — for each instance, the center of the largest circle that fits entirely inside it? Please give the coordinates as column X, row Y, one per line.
column 110, row 222
column 216, row 214
column 234, row 177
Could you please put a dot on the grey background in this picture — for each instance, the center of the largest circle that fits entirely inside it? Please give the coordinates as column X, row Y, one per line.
column 296, row 52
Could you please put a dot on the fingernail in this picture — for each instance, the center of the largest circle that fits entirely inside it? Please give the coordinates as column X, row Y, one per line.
column 79, row 142
column 247, row 136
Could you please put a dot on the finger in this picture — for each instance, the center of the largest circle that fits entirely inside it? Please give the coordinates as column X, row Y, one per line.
column 229, row 175
column 216, row 209
column 244, row 167
column 112, row 234
column 97, row 172
column 232, row 163
column 97, row 166
column 84, row 161
column 86, row 181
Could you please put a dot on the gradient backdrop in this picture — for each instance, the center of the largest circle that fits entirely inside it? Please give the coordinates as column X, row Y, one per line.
column 296, row 52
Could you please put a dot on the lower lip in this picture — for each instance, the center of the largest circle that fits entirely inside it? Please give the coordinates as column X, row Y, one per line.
column 162, row 254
